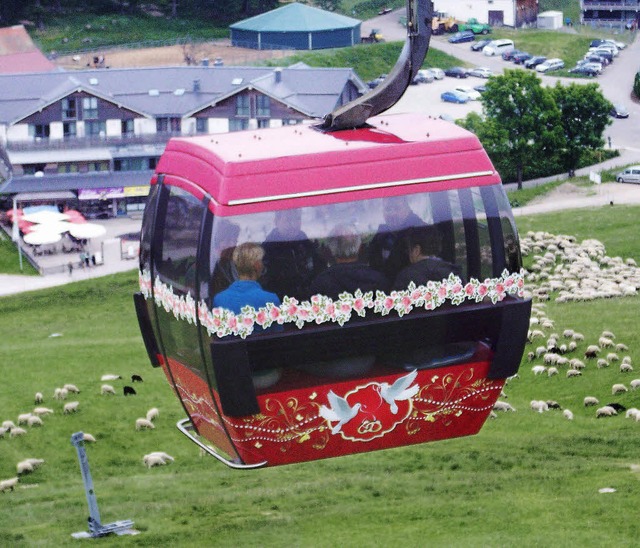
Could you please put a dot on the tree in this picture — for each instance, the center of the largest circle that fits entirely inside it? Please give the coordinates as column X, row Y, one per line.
column 521, row 120
column 584, row 115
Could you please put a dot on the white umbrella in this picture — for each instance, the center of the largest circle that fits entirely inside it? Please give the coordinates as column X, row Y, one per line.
column 86, row 230
column 45, row 217
column 57, row 227
column 41, row 237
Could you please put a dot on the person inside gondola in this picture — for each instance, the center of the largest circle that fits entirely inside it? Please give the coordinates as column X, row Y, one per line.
column 224, row 272
column 291, row 260
column 424, row 246
column 388, row 252
column 347, row 273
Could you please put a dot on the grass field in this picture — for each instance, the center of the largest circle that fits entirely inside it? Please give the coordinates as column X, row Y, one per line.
column 525, row 480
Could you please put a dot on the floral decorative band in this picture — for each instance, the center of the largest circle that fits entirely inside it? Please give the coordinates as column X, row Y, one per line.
column 321, row 309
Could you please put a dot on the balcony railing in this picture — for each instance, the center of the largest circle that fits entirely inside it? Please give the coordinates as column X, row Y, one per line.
column 93, row 141
column 609, row 5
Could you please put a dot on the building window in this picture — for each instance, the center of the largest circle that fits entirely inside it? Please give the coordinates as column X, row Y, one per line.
column 69, row 109
column 98, row 166
column 238, row 124
column 164, row 125
column 201, row 125
column 263, row 106
column 126, row 127
column 263, row 123
column 67, row 168
column 242, row 105
column 32, row 169
column 95, row 128
column 291, row 122
column 89, row 108
column 69, row 130
column 134, row 164
column 39, row 131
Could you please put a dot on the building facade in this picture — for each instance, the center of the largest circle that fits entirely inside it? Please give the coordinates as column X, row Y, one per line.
column 497, row 13
column 610, row 13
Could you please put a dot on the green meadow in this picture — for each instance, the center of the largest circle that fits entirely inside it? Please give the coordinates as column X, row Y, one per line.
column 526, row 480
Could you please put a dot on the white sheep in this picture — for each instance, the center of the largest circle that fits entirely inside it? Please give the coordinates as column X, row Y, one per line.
column 34, row 420
column 107, row 389
column 71, row 388
column 552, row 371
column 539, row 406
column 162, row 455
column 153, row 460
column 42, row 411
column 503, row 406
column 612, row 357
column 24, row 467
column 38, row 398
column 591, row 351
column 153, row 414
column 144, row 423
column 590, row 400
column 8, row 484
column 24, row 418
column 110, row 377
column 626, row 368
column 626, row 359
column 575, row 363
column 605, row 411
column 608, row 335
column 568, row 333
column 8, row 425
column 635, row 384
column 567, row 415
column 573, row 373
column 17, row 431
column 620, row 347
column 602, row 363
column 60, row 393
column 631, row 413
column 578, row 337
column 88, row 437
column 70, row 407
column 3, row 431
column 605, row 342
column 618, row 389
column 538, row 369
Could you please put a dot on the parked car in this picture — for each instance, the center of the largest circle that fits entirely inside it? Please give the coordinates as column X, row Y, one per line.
column 534, row 61
column 498, row 47
column 480, row 72
column 376, row 81
column 594, row 58
column 508, row 55
column 585, row 70
column 424, row 76
column 550, row 65
column 438, row 73
column 463, row 36
column 616, row 43
column 603, row 52
column 469, row 91
column 477, row 46
column 629, row 175
column 520, row 58
column 456, row 72
column 480, row 88
column 454, row 97
column 619, row 111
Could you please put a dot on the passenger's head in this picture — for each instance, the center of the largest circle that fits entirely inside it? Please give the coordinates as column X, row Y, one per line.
column 344, row 242
column 288, row 222
column 248, row 260
column 424, row 241
column 396, row 211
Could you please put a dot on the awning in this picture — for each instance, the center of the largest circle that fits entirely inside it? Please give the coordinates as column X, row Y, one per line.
column 58, row 156
column 37, row 196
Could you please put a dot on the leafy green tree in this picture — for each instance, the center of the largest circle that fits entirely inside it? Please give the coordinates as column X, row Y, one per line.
column 329, row 5
column 584, row 114
column 636, row 85
column 522, row 121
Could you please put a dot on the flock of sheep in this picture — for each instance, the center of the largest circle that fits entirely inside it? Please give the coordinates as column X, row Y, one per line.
column 37, row 417
column 569, row 271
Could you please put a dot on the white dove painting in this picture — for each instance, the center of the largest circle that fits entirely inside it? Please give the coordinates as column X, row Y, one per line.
column 399, row 390
column 339, row 411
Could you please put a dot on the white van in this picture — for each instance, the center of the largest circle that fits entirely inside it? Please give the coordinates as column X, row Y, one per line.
column 498, row 47
column 629, row 175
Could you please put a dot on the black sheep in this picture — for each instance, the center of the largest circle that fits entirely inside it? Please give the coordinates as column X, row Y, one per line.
column 129, row 391
column 136, row 378
column 617, row 406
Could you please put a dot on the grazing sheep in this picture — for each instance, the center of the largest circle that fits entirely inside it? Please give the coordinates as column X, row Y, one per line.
column 129, row 391
column 162, row 455
column 60, row 393
column 3, row 431
column 541, row 350
column 538, row 369
column 605, row 411
column 38, row 398
column 42, row 411
column 8, row 484
column 552, row 371
column 530, row 356
column 591, row 352
column 617, row 406
column 631, row 413
column 567, row 415
column 34, row 420
column 552, row 404
column 635, row 384
column 607, row 335
column 110, row 377
column 575, row 363
column 492, row 415
column 627, row 359
column 153, row 414
column 590, row 400
column 602, row 363
column 568, row 333
column 572, row 346
column 550, row 358
column 88, row 437
column 153, row 460
column 621, row 347
column 539, row 406
column 107, row 389
column 17, row 431
column 71, row 388
column 503, row 406
column 612, row 357
column 605, row 342
column 144, row 423
column 136, row 378
column 24, row 418
column 626, row 368
column 573, row 373
column 24, row 467
column 561, row 362
column 8, row 425
column 70, row 407
column 618, row 389
column 578, row 337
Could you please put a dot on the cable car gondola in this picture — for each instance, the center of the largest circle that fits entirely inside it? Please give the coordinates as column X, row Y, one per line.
column 381, row 271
